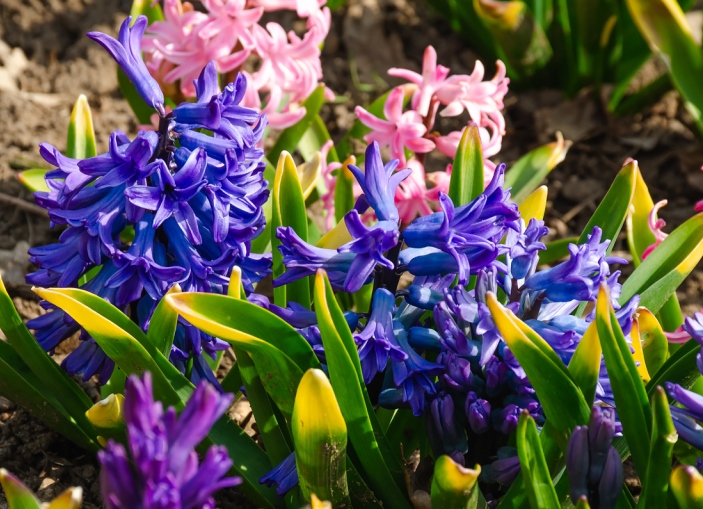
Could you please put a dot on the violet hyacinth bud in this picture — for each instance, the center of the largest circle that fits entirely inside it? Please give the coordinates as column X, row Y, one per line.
column 593, row 464
column 164, row 470
column 478, row 411
column 447, row 433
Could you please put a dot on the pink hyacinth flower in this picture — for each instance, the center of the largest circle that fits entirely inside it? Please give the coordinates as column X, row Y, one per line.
column 329, row 181
column 411, row 195
column 304, row 8
column 433, row 78
column 655, row 225
column 289, row 63
column 399, row 131
column 678, row 337
column 278, row 116
column 480, row 98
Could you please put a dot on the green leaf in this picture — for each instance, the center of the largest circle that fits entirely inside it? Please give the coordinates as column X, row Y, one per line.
column 22, row 386
column 320, row 437
column 34, row 180
column 667, row 266
column 344, row 367
column 521, row 41
column 107, row 418
column 313, row 140
column 664, row 437
column 453, row 485
column 628, row 391
column 655, row 345
column 17, row 494
column 54, row 380
column 466, row 182
column 531, row 169
column 664, row 26
column 163, row 323
column 563, row 403
column 237, row 314
column 152, row 10
column 585, row 363
column 81, row 134
column 289, row 139
column 612, row 211
column 538, row 482
column 288, row 210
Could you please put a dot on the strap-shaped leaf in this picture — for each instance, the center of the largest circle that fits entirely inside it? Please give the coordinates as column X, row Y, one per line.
column 20, row 384
column 534, row 205
column 453, row 485
column 344, row 190
column 562, row 401
column 628, row 391
column 655, row 345
column 612, row 211
column 163, row 324
column 81, row 134
column 687, row 486
column 664, row 26
column 585, row 364
column 530, row 170
column 667, row 266
column 226, row 312
column 320, row 437
column 344, row 369
column 664, row 437
column 53, row 378
column 288, row 210
column 639, row 236
column 17, row 494
column 466, row 182
column 538, row 482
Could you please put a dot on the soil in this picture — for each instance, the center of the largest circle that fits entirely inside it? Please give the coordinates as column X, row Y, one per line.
column 46, row 61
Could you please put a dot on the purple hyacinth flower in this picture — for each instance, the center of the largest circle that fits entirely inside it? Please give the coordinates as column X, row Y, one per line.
column 505, row 419
column 138, row 269
column 378, row 183
column 577, row 462
column 475, row 227
column 171, row 196
column 505, row 469
column 164, row 469
column 478, row 411
column 524, row 248
column 302, row 259
column 126, row 50
column 446, row 433
column 413, row 376
column 284, row 476
column 376, row 342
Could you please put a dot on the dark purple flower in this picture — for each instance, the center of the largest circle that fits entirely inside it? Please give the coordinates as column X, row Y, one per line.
column 284, row 476
column 478, row 411
column 376, row 342
column 164, row 471
column 446, row 430
column 126, row 50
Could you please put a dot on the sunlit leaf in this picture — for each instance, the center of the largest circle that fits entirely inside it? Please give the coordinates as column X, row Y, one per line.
column 81, row 134
column 538, row 482
column 17, row 494
column 534, row 205
column 585, row 363
column 466, row 181
column 530, row 170
column 687, row 486
column 453, row 485
column 655, row 345
column 290, row 137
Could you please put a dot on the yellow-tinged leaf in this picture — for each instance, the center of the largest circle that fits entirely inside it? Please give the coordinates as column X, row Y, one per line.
column 316, row 503
column 81, row 133
column 320, row 437
column 337, row 236
column 452, row 484
column 687, row 485
column 655, row 345
column 653, row 17
column 639, row 236
column 505, row 14
column 534, row 205
column 236, row 288
column 34, row 179
column 17, row 494
column 638, row 354
column 107, row 413
column 72, row 498
column 585, row 363
column 308, row 173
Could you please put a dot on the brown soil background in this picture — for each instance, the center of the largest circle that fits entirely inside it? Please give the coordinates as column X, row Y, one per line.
column 46, row 61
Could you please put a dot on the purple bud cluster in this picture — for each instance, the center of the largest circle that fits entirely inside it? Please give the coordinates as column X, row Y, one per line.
column 173, row 206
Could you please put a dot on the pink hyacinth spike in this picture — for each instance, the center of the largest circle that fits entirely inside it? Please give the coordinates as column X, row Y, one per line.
column 678, row 337
column 329, row 181
column 399, row 131
column 411, row 195
column 491, row 141
column 655, row 225
column 304, row 8
column 433, row 78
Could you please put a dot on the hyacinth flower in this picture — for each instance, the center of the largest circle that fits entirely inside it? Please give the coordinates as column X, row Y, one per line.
column 410, row 130
column 689, row 415
column 593, row 464
column 194, row 202
column 655, row 226
column 159, row 467
column 229, row 34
